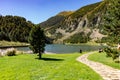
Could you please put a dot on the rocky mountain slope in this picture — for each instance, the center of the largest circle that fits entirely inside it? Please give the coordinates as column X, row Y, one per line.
column 79, row 26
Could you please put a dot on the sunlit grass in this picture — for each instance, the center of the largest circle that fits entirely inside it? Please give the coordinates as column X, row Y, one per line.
column 11, row 43
column 101, row 57
column 51, row 67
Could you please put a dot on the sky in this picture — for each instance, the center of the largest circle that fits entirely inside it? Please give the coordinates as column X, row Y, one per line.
column 38, row 11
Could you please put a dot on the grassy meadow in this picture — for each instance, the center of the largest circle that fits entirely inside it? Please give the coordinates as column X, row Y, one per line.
column 101, row 57
column 51, row 67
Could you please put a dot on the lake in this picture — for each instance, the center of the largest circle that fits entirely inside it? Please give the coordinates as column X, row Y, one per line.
column 61, row 48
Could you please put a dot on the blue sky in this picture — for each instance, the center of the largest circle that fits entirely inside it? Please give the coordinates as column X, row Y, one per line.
column 40, row 10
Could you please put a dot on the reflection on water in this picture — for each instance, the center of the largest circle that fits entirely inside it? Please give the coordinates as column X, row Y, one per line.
column 60, row 48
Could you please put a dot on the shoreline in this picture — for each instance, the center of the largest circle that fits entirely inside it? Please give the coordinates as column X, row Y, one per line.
column 88, row 43
column 3, row 47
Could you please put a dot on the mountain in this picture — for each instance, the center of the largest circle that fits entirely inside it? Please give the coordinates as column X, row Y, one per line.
column 55, row 19
column 82, row 25
column 16, row 28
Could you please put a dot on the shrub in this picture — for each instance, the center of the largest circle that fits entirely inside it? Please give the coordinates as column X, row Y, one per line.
column 114, row 53
column 11, row 52
column 108, row 52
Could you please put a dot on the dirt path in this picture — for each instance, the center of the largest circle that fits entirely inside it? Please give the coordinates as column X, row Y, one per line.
column 108, row 73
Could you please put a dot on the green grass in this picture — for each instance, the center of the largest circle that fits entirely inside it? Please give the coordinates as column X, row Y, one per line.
column 11, row 43
column 101, row 57
column 52, row 67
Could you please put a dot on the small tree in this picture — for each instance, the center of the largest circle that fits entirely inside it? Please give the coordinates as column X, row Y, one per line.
column 37, row 40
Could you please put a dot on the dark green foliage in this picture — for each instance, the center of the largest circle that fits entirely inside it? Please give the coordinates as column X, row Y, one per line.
column 14, row 28
column 48, row 40
column 108, row 51
column 114, row 53
column 112, row 20
column 37, row 40
column 78, row 38
column 104, row 39
column 110, row 40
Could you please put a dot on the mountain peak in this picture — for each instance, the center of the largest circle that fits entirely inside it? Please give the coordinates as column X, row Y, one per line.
column 65, row 13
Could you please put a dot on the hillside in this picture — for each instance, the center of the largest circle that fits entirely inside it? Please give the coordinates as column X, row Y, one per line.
column 55, row 19
column 79, row 26
column 14, row 28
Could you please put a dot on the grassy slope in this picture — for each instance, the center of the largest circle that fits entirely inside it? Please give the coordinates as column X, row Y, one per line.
column 56, row 67
column 84, row 10
column 101, row 57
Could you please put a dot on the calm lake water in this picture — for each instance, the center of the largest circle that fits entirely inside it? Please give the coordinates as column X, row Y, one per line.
column 60, row 48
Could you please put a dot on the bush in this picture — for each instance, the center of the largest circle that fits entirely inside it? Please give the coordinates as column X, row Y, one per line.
column 114, row 53
column 108, row 52
column 11, row 52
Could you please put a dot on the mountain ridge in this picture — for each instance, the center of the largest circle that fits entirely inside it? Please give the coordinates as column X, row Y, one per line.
column 85, row 22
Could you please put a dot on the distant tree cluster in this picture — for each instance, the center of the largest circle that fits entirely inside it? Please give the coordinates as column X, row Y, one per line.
column 78, row 38
column 14, row 28
column 51, row 21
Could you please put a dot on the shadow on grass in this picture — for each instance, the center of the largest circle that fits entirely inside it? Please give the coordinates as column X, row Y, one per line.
column 50, row 59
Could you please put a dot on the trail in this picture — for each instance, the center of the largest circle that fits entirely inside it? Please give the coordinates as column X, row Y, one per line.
column 106, row 72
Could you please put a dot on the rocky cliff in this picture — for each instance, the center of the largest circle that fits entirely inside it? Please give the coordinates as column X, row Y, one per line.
column 77, row 27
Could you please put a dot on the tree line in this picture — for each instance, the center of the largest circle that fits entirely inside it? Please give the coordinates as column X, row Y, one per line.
column 14, row 28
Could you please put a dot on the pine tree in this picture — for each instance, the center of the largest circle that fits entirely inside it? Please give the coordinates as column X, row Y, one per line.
column 37, row 40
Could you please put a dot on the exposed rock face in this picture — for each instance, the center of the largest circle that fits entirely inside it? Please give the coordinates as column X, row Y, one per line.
column 87, row 19
column 95, row 35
